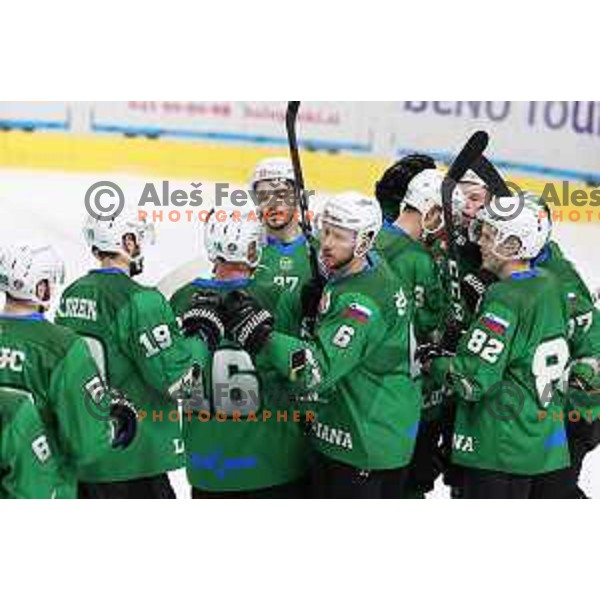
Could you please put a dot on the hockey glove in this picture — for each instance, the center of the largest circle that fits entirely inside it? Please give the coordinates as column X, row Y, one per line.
column 426, row 353
column 584, row 376
column 203, row 319
column 453, row 331
column 123, row 417
column 246, row 322
column 473, row 287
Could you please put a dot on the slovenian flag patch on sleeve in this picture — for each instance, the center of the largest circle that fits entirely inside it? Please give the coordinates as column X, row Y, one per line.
column 357, row 312
column 495, row 323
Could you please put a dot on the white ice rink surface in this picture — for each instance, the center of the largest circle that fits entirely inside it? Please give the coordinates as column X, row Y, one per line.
column 49, row 206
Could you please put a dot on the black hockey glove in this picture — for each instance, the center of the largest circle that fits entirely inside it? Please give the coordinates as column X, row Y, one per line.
column 473, row 287
column 246, row 322
column 310, row 298
column 425, row 353
column 203, row 319
column 453, row 330
column 124, row 417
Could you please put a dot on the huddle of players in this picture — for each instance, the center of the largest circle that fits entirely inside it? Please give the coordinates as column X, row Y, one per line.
column 390, row 391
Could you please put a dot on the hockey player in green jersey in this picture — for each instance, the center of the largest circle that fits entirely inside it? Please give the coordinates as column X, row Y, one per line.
column 582, row 394
column 52, row 367
column 135, row 339
column 400, row 242
column 413, row 186
column 284, row 263
column 583, row 337
column 509, row 364
column 27, row 466
column 358, row 359
column 245, row 440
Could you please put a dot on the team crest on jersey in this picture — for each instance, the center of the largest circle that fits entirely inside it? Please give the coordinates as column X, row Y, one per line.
column 401, row 302
column 325, row 303
column 286, row 263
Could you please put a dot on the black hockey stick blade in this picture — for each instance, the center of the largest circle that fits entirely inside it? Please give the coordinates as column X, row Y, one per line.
column 472, row 152
column 466, row 158
column 488, row 172
column 291, row 117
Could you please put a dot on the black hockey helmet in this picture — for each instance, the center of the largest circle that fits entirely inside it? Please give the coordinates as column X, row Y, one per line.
column 391, row 188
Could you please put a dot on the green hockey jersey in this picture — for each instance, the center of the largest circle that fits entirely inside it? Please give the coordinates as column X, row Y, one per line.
column 52, row 366
column 505, row 375
column 412, row 262
column 27, row 465
column 583, row 331
column 134, row 337
column 284, row 266
column 246, row 436
column 453, row 273
column 358, row 362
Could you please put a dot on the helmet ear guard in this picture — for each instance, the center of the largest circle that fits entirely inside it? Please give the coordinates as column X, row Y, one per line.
column 31, row 273
column 110, row 237
column 530, row 227
column 357, row 213
column 364, row 242
column 424, row 194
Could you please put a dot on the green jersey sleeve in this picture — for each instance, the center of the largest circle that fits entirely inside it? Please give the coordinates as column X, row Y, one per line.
column 482, row 353
column 349, row 331
column 583, row 334
column 150, row 336
column 429, row 297
column 584, row 370
column 26, row 458
column 77, row 393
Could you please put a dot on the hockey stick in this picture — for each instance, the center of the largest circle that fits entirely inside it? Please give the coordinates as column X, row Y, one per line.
column 182, row 275
column 471, row 153
column 291, row 118
column 494, row 181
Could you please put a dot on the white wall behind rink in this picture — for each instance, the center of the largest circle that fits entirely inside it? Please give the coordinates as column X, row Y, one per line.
column 556, row 139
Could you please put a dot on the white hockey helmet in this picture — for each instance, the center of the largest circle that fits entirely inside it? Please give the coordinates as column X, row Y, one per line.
column 273, row 169
column 530, row 225
column 109, row 236
column 470, row 177
column 24, row 267
column 234, row 237
column 355, row 212
column 424, row 193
